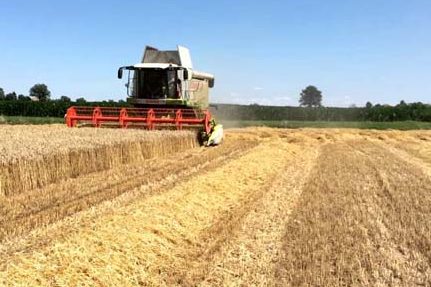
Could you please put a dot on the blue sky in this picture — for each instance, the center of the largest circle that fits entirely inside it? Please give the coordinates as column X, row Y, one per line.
column 260, row 51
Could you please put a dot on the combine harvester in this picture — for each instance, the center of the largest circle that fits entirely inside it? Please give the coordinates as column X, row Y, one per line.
column 165, row 92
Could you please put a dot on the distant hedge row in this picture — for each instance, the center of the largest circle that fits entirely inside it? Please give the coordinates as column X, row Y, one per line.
column 272, row 113
column 401, row 112
column 44, row 109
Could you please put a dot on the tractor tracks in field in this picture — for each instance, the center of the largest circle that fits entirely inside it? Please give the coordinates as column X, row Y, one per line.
column 45, row 206
column 402, row 213
column 362, row 220
column 249, row 255
column 415, row 153
column 179, row 236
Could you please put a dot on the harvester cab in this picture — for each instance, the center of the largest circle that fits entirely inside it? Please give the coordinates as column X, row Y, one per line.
column 164, row 91
column 167, row 78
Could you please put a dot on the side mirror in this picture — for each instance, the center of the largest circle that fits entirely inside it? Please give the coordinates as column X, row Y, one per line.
column 120, row 73
column 211, row 83
column 185, row 74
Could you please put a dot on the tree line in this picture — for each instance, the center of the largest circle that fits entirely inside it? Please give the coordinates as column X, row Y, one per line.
column 38, row 92
column 311, row 97
column 39, row 104
column 401, row 112
column 378, row 113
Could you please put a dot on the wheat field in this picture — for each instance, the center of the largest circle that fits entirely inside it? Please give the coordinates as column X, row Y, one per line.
column 268, row 207
column 35, row 156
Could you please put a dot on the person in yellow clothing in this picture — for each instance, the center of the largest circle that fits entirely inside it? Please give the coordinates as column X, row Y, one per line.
column 216, row 136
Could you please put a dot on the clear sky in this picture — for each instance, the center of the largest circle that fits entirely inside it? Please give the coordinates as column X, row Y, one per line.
column 260, row 51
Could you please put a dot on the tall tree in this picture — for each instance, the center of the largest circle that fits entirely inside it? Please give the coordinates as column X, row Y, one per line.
column 2, row 96
column 21, row 97
column 41, row 92
column 11, row 96
column 80, row 101
column 311, row 97
column 65, row 99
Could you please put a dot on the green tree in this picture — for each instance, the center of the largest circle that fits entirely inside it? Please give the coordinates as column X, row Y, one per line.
column 41, row 92
column 65, row 99
column 402, row 111
column 310, row 97
column 11, row 96
column 21, row 97
column 81, row 101
column 368, row 105
column 2, row 96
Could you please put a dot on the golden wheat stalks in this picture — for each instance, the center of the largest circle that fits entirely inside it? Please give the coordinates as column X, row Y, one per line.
column 34, row 156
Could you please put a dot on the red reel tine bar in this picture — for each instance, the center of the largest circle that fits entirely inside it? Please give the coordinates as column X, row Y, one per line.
column 150, row 118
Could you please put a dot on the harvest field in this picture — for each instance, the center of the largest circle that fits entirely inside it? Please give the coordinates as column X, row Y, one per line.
column 268, row 207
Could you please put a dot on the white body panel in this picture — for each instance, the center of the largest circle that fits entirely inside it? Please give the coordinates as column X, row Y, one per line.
column 154, row 65
column 185, row 58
